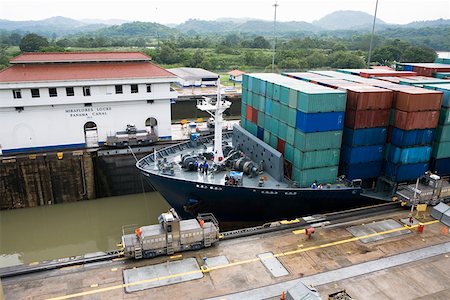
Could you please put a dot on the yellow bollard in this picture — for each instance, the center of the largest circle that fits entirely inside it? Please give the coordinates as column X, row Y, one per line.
column 60, row 155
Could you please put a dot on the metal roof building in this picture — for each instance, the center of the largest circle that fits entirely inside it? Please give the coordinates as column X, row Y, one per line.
column 195, row 77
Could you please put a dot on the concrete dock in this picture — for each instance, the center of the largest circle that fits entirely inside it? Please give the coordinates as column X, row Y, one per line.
column 395, row 262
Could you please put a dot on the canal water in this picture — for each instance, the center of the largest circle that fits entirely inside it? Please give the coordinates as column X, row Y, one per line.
column 48, row 232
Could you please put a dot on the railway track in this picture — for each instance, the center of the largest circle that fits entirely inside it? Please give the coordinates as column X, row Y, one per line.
column 311, row 221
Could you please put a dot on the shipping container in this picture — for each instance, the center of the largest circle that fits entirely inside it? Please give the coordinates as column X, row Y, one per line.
column 273, row 141
column 418, row 100
column 276, row 107
column 441, row 166
column 282, row 130
column 290, row 135
column 255, row 84
column 245, row 82
column 305, row 178
column 260, row 133
column 365, row 97
column 443, row 133
column 274, row 127
column 444, row 88
column 283, row 112
column 401, row 173
column 356, row 155
column 268, row 123
column 363, row 170
column 416, row 119
column 267, row 137
column 292, row 117
column 289, row 153
column 321, row 102
column 276, row 92
column 357, row 119
column 269, row 90
column 317, row 122
column 261, row 119
column 412, row 155
column 255, row 115
column 444, row 117
column 249, row 112
column 364, row 137
column 441, row 150
column 268, row 108
column 243, row 111
column 293, row 96
column 252, row 128
column 407, row 138
column 317, row 140
column 284, row 98
column 244, row 96
column 262, row 103
column 281, row 145
column 316, row 159
column 262, row 87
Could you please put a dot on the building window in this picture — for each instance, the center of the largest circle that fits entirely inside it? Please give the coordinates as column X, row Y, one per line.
column 52, row 92
column 88, row 105
column 86, row 90
column 119, row 89
column 134, row 88
column 149, row 88
column 35, row 93
column 70, row 92
column 17, row 94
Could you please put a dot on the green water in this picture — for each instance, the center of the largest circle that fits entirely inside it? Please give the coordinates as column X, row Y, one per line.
column 63, row 230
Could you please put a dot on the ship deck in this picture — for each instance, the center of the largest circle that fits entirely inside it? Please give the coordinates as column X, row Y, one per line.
column 175, row 152
column 402, row 266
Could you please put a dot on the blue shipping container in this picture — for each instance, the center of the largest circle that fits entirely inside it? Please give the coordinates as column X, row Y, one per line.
column 406, row 138
column 441, row 166
column 363, row 171
column 401, row 173
column 364, row 137
column 356, row 155
column 411, row 155
column 316, row 122
column 260, row 133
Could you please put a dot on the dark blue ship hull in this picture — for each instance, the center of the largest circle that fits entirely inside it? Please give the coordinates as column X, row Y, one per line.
column 241, row 204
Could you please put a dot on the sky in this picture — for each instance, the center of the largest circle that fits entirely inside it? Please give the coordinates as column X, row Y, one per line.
column 173, row 11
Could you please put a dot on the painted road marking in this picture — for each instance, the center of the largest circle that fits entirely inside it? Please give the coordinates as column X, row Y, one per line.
column 176, row 256
column 242, row 262
column 299, row 231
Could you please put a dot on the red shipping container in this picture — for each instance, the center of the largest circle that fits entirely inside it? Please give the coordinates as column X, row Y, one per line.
column 281, row 145
column 417, row 99
column 249, row 113
column 356, row 119
column 365, row 97
column 416, row 119
column 255, row 115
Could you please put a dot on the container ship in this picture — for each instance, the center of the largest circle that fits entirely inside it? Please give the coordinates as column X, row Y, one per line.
column 314, row 142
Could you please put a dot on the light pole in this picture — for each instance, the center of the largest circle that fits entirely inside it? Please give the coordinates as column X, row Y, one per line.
column 274, row 36
column 371, row 38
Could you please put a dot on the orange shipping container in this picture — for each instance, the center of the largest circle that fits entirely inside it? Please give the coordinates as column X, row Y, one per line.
column 365, row 97
column 356, row 119
column 249, row 113
column 417, row 99
column 416, row 119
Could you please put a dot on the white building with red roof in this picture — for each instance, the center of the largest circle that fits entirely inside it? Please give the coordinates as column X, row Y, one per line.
column 61, row 100
column 236, row 75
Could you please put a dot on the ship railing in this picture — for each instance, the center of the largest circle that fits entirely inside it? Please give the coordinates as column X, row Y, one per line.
column 208, row 217
column 147, row 161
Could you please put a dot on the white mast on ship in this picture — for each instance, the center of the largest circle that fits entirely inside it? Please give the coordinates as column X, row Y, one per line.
column 216, row 111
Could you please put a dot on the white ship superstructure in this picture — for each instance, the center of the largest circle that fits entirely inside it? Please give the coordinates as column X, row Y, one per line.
column 60, row 100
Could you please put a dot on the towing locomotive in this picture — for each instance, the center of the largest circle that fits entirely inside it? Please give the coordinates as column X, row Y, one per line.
column 171, row 235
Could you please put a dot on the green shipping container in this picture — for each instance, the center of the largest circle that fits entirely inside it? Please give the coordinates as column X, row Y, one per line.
column 444, row 117
column 274, row 128
column 250, row 97
column 293, row 96
column 262, row 103
column 243, row 111
column 318, row 140
column 316, row 159
column 284, row 112
column 326, row 102
column 244, row 123
column 267, row 123
column 252, row 128
column 289, row 153
column 441, row 150
column 305, row 178
column 262, row 87
column 290, row 135
column 284, row 95
column 276, row 92
column 282, row 128
column 266, row 137
column 256, row 101
column 292, row 117
column 261, row 119
column 276, row 107
column 244, row 96
column 269, row 90
column 273, row 141
column 255, row 88
column 442, row 133
column 245, row 82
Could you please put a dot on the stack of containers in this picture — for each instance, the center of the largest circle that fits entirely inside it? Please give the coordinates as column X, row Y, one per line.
column 302, row 120
column 364, row 139
column 440, row 162
column 416, row 114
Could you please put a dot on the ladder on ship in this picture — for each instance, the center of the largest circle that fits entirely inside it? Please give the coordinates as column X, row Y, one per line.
column 170, row 250
column 207, row 240
column 137, row 252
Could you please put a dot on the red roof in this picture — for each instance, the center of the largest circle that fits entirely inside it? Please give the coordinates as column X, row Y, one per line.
column 81, row 71
column 41, row 57
column 236, row 73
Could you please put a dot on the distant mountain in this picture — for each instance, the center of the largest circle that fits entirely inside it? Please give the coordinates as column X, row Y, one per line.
column 58, row 26
column 433, row 23
column 106, row 22
column 138, row 29
column 347, row 20
column 250, row 27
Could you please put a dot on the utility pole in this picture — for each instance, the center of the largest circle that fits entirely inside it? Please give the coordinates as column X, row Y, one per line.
column 371, row 38
column 274, row 35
